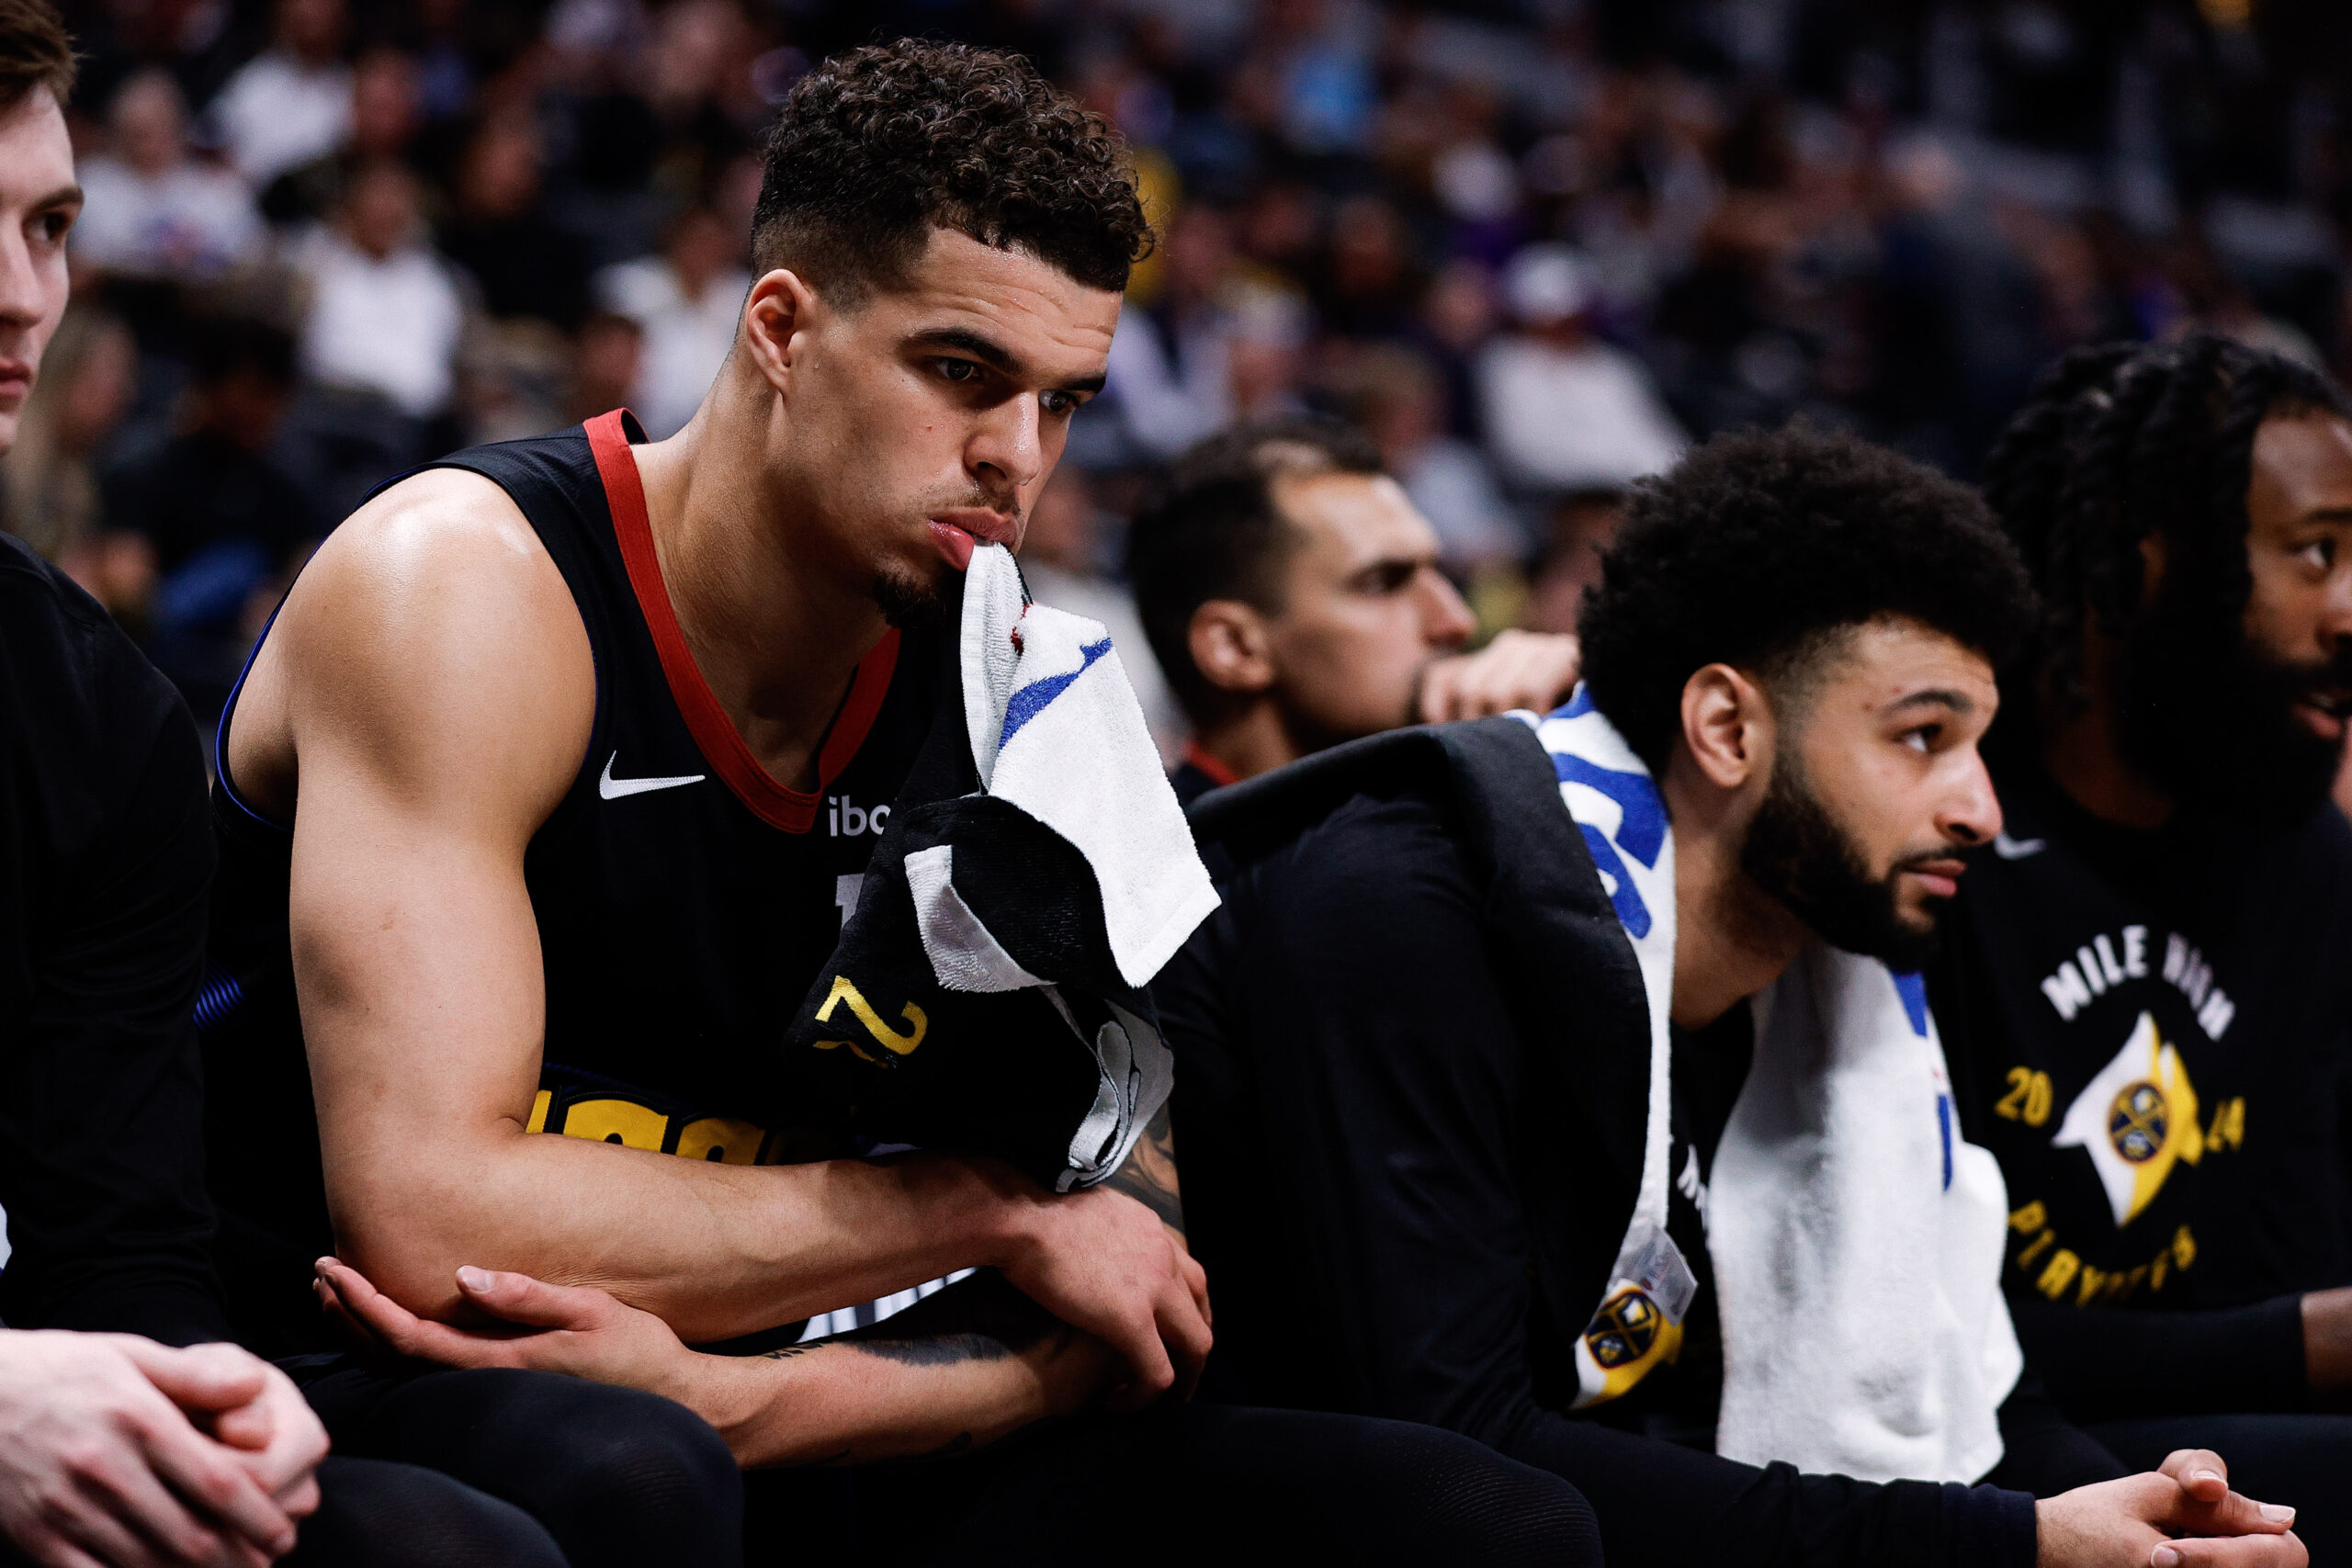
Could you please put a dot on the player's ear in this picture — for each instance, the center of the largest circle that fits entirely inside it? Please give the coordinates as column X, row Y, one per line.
column 776, row 313
column 1229, row 647
column 1726, row 726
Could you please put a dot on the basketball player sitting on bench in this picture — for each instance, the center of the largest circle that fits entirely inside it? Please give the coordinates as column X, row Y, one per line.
column 524, row 805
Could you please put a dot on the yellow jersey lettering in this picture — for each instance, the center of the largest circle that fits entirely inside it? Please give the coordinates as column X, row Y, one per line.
column 620, row 1122
column 2061, row 1272
column 721, row 1139
column 889, row 1039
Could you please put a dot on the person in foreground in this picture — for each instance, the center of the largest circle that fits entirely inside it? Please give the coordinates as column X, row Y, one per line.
column 2146, row 993
column 543, row 804
column 132, row 1432
column 1566, row 1083
column 1292, row 594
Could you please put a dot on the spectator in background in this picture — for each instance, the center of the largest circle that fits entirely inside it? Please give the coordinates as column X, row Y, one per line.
column 1582, row 527
column 386, row 109
column 384, row 311
column 1394, row 393
column 49, row 485
column 1563, row 410
column 151, row 211
column 224, row 521
column 607, row 366
column 684, row 302
column 1265, row 352
column 1292, row 596
column 1062, row 551
column 499, row 230
column 292, row 102
column 1169, row 376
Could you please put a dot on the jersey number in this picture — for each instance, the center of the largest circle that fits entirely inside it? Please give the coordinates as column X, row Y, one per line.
column 2029, row 1099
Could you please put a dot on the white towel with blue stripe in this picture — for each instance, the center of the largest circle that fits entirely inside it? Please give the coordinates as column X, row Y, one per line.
column 1856, row 1238
column 1056, row 730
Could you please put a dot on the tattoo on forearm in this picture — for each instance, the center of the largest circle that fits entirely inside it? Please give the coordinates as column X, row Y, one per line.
column 784, row 1352
column 937, row 1350
column 1149, row 1174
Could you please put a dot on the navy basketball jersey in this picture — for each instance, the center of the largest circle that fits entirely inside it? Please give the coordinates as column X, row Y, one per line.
column 685, row 900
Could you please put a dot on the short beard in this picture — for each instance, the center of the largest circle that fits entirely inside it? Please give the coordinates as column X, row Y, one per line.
column 1796, row 851
column 909, row 600
column 2205, row 718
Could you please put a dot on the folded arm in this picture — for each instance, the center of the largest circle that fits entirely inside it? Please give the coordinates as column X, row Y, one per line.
column 429, row 685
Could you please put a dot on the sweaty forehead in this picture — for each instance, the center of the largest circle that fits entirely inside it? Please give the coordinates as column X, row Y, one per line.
column 1028, row 305
column 2303, row 470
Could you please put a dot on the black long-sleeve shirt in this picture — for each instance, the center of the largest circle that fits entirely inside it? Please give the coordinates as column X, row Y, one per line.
column 106, row 850
column 2151, row 1031
column 1351, row 1121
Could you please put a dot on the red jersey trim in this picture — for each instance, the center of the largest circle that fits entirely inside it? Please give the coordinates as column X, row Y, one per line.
column 1219, row 774
column 793, row 810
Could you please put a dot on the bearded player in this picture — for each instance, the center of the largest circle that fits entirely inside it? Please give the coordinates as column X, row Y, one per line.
column 534, row 805
column 2146, row 992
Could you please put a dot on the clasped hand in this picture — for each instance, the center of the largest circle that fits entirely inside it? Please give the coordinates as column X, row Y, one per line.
column 117, row 1451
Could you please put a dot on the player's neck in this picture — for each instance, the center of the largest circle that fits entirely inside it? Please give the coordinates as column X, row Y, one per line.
column 2080, row 751
column 776, row 637
column 1251, row 742
column 1731, row 939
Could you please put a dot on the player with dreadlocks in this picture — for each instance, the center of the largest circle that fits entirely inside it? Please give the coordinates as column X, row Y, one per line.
column 2144, row 990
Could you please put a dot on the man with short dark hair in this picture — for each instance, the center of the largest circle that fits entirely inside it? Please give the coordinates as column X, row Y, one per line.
column 2147, row 993
column 542, row 806
column 1291, row 595
column 1564, row 1082
column 132, row 1432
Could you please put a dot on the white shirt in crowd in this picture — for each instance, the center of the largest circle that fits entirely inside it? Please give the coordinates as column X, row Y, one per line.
column 190, row 222
column 1171, row 394
column 388, row 326
column 1450, row 484
column 1580, row 417
column 686, row 340
column 277, row 113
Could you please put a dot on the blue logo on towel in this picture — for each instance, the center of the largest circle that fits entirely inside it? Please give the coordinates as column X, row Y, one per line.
column 1641, row 829
column 1914, row 992
column 1031, row 700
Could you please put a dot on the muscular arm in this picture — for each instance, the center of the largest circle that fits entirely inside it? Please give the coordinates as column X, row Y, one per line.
column 430, row 687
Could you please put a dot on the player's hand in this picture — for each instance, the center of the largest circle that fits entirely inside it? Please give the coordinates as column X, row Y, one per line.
column 100, row 1465
column 1518, row 670
column 2181, row 1516
column 525, row 1322
column 275, row 1435
column 1104, row 1264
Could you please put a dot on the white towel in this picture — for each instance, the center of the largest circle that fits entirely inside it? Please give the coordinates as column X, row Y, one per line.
column 1857, row 1241
column 1056, row 730
column 1856, row 1238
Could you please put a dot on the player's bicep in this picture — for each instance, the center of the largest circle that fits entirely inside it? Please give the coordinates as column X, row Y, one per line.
column 437, row 691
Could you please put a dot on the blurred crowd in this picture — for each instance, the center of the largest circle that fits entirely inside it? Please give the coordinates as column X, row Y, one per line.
column 1534, row 247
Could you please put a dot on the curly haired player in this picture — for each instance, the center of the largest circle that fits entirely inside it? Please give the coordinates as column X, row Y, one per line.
column 536, row 806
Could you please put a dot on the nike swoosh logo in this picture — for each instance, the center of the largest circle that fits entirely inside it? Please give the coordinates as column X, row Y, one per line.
column 612, row 788
column 2016, row 848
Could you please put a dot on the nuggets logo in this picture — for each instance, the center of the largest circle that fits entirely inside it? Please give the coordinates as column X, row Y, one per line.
column 2136, row 1118
column 1624, row 1329
column 2136, row 1122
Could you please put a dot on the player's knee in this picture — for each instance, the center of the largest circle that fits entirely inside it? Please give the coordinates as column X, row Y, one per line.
column 650, row 1470
column 1498, row 1513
